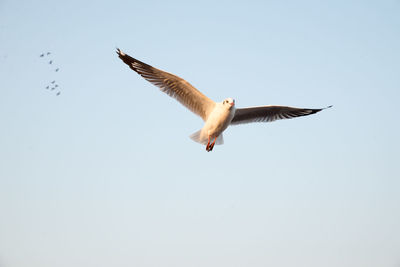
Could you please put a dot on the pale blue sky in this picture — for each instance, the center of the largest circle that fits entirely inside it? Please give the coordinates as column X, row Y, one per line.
column 105, row 174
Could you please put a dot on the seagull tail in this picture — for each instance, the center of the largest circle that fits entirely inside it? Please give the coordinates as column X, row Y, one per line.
column 220, row 140
column 197, row 137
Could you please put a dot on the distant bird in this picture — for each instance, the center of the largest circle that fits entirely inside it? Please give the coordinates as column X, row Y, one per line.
column 56, row 85
column 42, row 55
column 217, row 116
column 51, row 61
column 47, row 87
column 48, row 53
column 57, row 69
column 52, row 88
column 58, row 93
column 53, row 82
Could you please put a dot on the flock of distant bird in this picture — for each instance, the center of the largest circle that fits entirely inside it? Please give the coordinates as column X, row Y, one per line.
column 52, row 86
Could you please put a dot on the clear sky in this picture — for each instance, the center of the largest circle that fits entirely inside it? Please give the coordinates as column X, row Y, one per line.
column 105, row 174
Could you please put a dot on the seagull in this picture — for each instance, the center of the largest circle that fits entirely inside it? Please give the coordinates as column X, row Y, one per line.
column 47, row 87
column 57, row 69
column 58, row 93
column 52, row 88
column 53, row 82
column 48, row 53
column 56, row 85
column 51, row 61
column 216, row 115
column 42, row 55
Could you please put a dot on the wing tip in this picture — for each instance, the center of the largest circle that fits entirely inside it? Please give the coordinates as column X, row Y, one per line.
column 320, row 109
column 119, row 52
column 126, row 58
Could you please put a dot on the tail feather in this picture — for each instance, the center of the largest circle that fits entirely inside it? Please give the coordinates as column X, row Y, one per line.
column 197, row 137
column 220, row 140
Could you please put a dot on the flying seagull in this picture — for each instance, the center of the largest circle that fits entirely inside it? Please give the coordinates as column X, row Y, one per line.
column 57, row 69
column 47, row 87
column 58, row 93
column 48, row 53
column 216, row 115
column 42, row 55
column 51, row 61
column 53, row 82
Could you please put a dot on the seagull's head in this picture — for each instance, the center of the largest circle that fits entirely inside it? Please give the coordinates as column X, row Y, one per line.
column 229, row 102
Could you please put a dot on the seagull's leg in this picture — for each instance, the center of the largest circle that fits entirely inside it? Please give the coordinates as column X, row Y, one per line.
column 208, row 145
column 213, row 143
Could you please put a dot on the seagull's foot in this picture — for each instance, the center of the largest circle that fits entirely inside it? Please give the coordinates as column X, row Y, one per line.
column 213, row 143
column 209, row 146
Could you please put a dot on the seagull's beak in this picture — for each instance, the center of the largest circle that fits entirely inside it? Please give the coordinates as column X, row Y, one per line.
column 232, row 104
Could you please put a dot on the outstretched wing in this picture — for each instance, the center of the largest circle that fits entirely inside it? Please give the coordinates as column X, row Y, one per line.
column 270, row 113
column 172, row 85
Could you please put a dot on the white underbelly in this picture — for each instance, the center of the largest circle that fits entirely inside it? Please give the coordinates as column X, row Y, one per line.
column 217, row 122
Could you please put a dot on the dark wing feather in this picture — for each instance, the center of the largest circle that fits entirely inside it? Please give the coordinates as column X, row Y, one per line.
column 172, row 85
column 270, row 113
